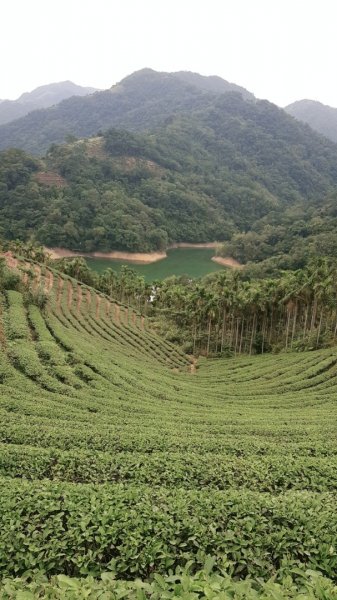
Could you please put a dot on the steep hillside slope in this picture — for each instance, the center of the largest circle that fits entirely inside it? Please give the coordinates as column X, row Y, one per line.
column 42, row 97
column 319, row 116
column 113, row 457
column 140, row 101
column 200, row 177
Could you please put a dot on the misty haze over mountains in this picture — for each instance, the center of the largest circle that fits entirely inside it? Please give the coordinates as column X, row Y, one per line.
column 140, row 101
column 42, row 97
column 319, row 116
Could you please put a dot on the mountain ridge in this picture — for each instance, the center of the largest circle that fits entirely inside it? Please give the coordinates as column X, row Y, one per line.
column 43, row 96
column 227, row 167
column 321, row 117
column 142, row 100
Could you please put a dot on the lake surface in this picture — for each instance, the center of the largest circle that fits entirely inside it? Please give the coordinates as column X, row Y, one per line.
column 194, row 262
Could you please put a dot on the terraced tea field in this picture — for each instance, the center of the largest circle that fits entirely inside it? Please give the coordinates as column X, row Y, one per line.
column 116, row 458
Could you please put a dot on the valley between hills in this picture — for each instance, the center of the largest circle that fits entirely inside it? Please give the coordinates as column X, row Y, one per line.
column 173, row 435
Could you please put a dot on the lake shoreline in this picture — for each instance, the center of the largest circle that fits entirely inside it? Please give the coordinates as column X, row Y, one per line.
column 144, row 258
column 227, row 261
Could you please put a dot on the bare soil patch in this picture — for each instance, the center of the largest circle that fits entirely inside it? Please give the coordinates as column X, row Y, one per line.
column 132, row 257
column 227, row 261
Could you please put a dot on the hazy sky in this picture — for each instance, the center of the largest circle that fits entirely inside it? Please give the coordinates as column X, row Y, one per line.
column 282, row 50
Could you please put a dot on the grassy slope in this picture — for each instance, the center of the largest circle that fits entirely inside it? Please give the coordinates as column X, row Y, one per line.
column 113, row 456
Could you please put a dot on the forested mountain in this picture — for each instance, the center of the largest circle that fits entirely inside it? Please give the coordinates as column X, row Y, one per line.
column 319, row 116
column 141, row 101
column 42, row 97
column 212, row 83
column 228, row 168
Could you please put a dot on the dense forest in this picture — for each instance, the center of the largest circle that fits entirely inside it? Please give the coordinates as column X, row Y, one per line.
column 320, row 117
column 223, row 314
column 141, row 101
column 239, row 172
column 229, row 312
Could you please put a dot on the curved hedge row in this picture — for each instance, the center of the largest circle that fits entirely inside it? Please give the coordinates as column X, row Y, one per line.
column 182, row 585
column 135, row 530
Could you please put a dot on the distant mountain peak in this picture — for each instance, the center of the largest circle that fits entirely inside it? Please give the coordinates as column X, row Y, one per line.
column 143, row 100
column 321, row 117
column 206, row 83
column 41, row 97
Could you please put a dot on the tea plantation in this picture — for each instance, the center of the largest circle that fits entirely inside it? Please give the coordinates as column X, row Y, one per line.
column 126, row 472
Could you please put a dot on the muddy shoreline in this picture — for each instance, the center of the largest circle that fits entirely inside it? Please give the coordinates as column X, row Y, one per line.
column 227, row 261
column 144, row 258
column 132, row 257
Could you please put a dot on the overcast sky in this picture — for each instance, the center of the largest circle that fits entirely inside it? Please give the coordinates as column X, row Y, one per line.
column 282, row 50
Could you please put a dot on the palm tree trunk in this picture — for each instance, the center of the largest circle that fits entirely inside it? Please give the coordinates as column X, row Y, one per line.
column 194, row 336
column 209, row 335
column 287, row 329
column 224, row 318
column 252, row 334
column 313, row 316
column 232, row 333
column 294, row 325
column 241, row 337
column 271, row 326
column 319, row 327
column 305, row 320
column 236, row 335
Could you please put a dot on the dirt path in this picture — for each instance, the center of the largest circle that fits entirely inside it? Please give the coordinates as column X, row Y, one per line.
column 79, row 299
column 98, row 306
column 117, row 314
column 11, row 262
column 60, row 284
column 193, row 368
column 107, row 308
column 70, row 291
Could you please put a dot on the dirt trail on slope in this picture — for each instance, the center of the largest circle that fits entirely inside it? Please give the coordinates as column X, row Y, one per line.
column 98, row 306
column 60, row 284
column 70, row 292
column 79, row 299
column 193, row 368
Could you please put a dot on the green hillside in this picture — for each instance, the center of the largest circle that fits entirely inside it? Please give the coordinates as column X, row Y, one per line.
column 140, row 101
column 229, row 168
column 118, row 454
column 320, row 117
column 42, row 97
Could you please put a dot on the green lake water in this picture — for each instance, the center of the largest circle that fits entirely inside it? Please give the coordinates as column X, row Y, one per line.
column 194, row 262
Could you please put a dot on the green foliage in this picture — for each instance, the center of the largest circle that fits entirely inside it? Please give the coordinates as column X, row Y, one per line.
column 9, row 279
column 216, row 166
column 124, row 474
column 87, row 530
column 142, row 100
column 230, row 311
column 320, row 117
column 181, row 584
